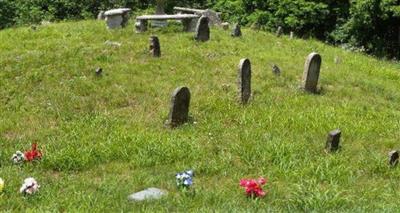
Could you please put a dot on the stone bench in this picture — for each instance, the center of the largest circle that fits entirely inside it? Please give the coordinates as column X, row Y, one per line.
column 117, row 18
column 189, row 21
column 213, row 17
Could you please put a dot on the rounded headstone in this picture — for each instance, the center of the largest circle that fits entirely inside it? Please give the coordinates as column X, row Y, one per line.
column 202, row 29
column 244, row 80
column 179, row 109
column 311, row 72
column 236, row 32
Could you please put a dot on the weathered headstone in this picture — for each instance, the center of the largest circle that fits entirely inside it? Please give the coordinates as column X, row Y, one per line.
column 179, row 109
column 155, row 49
column 291, row 34
column 337, row 60
column 202, row 29
column 279, row 31
column 99, row 71
column 276, row 70
column 236, row 32
column 159, row 11
column 311, row 72
column 332, row 143
column 393, row 158
column 101, row 15
column 244, row 81
column 225, row 26
column 147, row 194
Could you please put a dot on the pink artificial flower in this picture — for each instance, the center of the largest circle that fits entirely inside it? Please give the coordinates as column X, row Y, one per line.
column 254, row 187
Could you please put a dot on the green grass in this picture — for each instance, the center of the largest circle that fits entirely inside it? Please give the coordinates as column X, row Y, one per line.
column 103, row 137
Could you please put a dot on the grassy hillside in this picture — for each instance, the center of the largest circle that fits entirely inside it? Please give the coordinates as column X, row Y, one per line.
column 103, row 137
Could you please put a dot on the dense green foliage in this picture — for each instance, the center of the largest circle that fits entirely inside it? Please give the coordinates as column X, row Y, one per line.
column 103, row 136
column 364, row 25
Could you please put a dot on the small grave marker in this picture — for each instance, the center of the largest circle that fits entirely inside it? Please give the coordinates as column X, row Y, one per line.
column 244, row 80
column 225, row 25
column 276, row 70
column 311, row 72
column 202, row 29
column 236, row 32
column 279, row 31
column 155, row 49
column 179, row 109
column 332, row 143
column 291, row 34
column 147, row 194
column 99, row 71
column 393, row 158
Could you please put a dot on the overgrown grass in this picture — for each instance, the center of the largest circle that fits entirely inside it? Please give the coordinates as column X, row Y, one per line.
column 103, row 137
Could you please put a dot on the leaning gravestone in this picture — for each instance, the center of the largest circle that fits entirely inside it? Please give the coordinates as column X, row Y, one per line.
column 311, row 72
column 332, row 143
column 179, row 109
column 244, row 81
column 147, row 194
column 393, row 158
column 155, row 49
column 236, row 32
column 202, row 30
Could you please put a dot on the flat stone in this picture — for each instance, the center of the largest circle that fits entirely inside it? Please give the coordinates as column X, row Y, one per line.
column 118, row 11
column 147, row 194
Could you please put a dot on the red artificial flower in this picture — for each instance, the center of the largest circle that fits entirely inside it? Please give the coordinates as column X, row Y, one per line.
column 33, row 154
column 254, row 187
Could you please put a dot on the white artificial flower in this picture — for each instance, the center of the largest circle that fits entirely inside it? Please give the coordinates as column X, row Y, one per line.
column 30, row 186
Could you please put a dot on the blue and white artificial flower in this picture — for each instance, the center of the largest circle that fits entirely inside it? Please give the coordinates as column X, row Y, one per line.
column 184, row 179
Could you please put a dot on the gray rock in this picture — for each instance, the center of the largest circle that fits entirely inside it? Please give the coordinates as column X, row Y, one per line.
column 147, row 194
column 244, row 81
column 393, row 158
column 202, row 30
column 179, row 109
column 155, row 49
column 236, row 32
column 332, row 143
column 276, row 70
column 311, row 72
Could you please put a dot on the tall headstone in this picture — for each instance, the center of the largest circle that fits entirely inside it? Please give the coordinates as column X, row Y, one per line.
column 159, row 11
column 279, row 31
column 202, row 29
column 244, row 81
column 393, row 158
column 311, row 72
column 236, row 32
column 332, row 143
column 179, row 110
column 155, row 49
